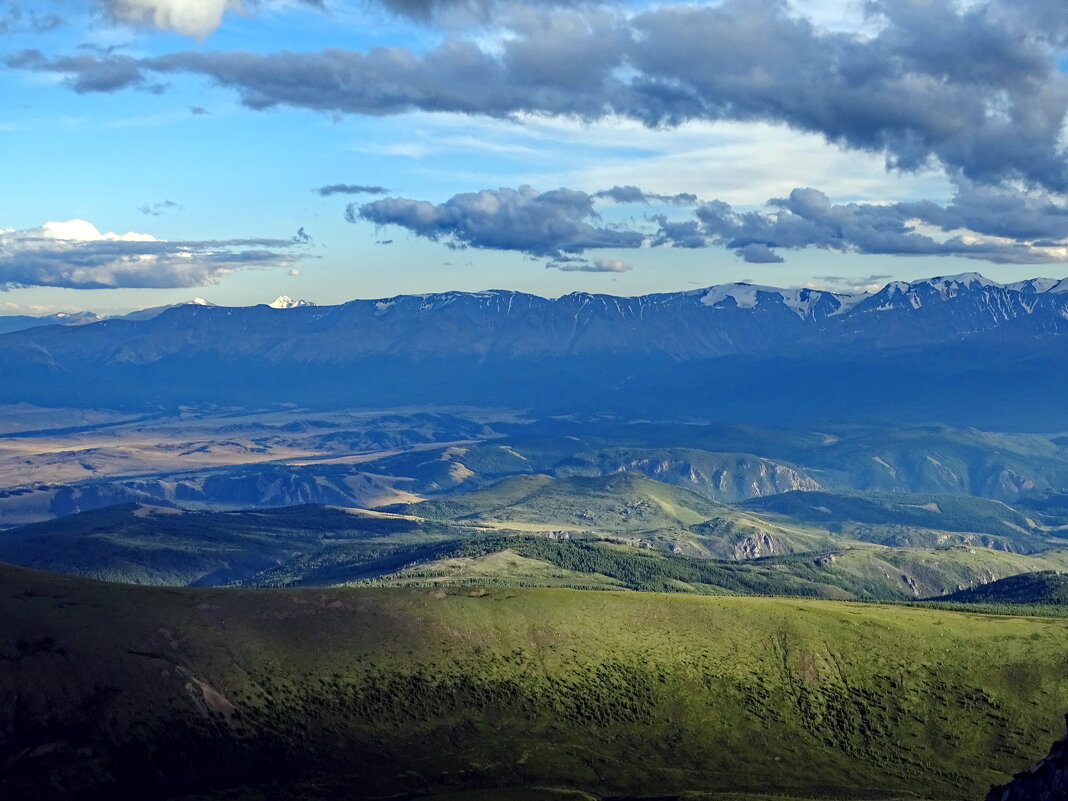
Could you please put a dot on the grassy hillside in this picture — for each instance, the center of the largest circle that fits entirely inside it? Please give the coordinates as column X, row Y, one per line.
column 120, row 691
column 863, row 573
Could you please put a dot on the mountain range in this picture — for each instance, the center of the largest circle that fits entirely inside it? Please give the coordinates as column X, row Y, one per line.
column 959, row 349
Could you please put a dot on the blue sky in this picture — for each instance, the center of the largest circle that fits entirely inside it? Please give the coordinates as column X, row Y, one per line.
column 211, row 141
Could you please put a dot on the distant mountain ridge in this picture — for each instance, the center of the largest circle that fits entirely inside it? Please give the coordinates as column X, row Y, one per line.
column 20, row 322
column 518, row 349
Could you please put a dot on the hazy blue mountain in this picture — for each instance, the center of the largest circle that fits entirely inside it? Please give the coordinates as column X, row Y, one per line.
column 20, row 322
column 962, row 350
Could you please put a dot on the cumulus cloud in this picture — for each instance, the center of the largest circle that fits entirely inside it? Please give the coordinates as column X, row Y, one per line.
column 807, row 218
column 575, row 265
column 350, row 189
column 196, row 18
column 973, row 87
column 76, row 255
column 563, row 224
column 612, row 265
column 525, row 220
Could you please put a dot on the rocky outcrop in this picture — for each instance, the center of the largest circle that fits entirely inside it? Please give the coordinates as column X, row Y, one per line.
column 1046, row 781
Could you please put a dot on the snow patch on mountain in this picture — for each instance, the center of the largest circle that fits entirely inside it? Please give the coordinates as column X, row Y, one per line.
column 744, row 295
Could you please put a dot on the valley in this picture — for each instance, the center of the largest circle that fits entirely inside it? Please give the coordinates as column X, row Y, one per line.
column 540, row 584
column 472, row 497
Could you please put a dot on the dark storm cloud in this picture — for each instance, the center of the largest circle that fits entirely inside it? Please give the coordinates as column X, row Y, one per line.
column 350, row 189
column 976, row 89
column 537, row 223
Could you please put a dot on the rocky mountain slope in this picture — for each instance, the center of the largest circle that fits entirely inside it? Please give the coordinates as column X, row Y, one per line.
column 1046, row 781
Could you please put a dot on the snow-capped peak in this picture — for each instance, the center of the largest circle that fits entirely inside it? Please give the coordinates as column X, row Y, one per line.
column 747, row 296
column 947, row 285
column 286, row 302
column 1039, row 285
column 963, row 278
column 200, row 302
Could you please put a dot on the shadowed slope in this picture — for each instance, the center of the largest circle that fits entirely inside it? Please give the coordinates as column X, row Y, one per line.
column 119, row 691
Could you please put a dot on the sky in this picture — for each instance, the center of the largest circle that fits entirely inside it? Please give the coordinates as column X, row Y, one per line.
column 153, row 151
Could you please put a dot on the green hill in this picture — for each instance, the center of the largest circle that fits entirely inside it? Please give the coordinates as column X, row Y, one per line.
column 624, row 531
column 1046, row 587
column 622, row 502
column 628, row 505
column 116, row 691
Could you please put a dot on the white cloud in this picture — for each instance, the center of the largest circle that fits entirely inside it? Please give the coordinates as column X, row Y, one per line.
column 612, row 265
column 71, row 231
column 75, row 254
column 573, row 265
column 196, row 18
